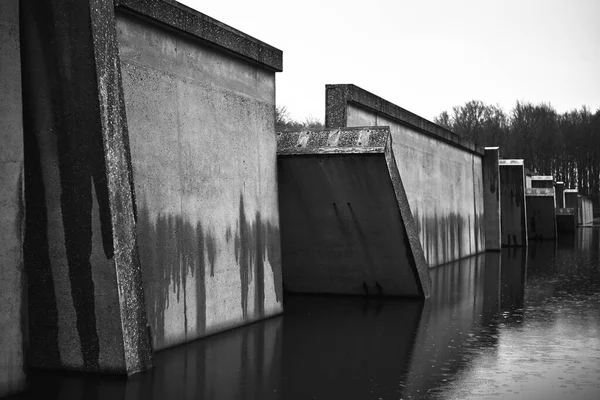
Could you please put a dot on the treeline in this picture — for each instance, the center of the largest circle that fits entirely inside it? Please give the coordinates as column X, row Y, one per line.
column 566, row 145
column 283, row 122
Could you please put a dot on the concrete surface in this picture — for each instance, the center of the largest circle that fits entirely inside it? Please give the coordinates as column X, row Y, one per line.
column 571, row 196
column 512, row 199
column 541, row 206
column 566, row 219
column 542, row 181
column 80, row 251
column 491, row 199
column 585, row 211
column 346, row 223
column 12, row 278
column 559, row 188
column 442, row 172
column 203, row 149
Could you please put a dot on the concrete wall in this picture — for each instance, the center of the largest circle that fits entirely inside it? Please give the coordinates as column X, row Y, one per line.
column 585, row 211
column 491, row 199
column 203, row 150
column 559, row 188
column 12, row 279
column 83, row 273
column 541, row 219
column 542, row 181
column 442, row 175
column 571, row 196
column 347, row 226
column 512, row 199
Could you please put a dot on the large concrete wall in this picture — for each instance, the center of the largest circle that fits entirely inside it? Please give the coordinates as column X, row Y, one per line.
column 442, row 173
column 84, row 283
column 346, row 224
column 12, row 282
column 541, row 218
column 491, row 199
column 512, row 199
column 571, row 196
column 203, row 150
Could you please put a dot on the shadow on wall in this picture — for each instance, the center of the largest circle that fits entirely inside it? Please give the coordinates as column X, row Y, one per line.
column 171, row 249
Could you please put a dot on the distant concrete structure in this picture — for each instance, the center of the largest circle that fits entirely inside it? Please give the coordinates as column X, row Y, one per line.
column 512, row 199
column 12, row 208
column 542, row 181
column 346, row 222
column 491, row 199
column 541, row 206
column 442, row 171
column 559, row 188
column 200, row 100
column 571, row 196
column 566, row 219
column 585, row 211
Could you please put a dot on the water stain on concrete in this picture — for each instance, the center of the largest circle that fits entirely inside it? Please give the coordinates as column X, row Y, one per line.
column 254, row 242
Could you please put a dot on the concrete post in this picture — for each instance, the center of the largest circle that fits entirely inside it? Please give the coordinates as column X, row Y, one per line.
column 512, row 198
column 491, row 199
column 541, row 217
column 12, row 283
column 559, row 188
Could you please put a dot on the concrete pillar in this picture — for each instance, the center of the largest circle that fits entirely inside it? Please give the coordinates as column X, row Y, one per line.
column 585, row 211
column 541, row 218
column 559, row 188
column 570, row 198
column 512, row 198
column 86, row 303
column 491, row 199
column 12, row 283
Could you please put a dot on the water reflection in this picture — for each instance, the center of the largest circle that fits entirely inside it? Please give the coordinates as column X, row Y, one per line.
column 516, row 324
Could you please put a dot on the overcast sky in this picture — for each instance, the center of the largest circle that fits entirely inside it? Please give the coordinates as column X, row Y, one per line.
column 428, row 55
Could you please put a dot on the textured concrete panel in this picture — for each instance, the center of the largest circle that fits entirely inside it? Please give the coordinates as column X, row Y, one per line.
column 585, row 211
column 442, row 172
column 542, row 181
column 12, row 276
column 203, row 149
column 491, row 199
column 512, row 199
column 571, row 196
column 541, row 219
column 80, row 251
column 346, row 223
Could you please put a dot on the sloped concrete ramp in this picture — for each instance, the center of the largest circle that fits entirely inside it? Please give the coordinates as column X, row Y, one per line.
column 346, row 226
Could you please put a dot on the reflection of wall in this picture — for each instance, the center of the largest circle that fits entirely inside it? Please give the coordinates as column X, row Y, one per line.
column 512, row 199
column 204, row 163
column 12, row 288
column 442, row 174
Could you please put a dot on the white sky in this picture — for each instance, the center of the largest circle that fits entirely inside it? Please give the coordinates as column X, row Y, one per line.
column 427, row 56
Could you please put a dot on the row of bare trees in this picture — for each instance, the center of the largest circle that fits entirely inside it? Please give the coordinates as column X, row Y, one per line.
column 565, row 145
column 284, row 122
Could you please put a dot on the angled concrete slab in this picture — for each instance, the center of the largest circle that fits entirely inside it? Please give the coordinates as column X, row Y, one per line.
column 346, row 225
column 541, row 206
column 512, row 198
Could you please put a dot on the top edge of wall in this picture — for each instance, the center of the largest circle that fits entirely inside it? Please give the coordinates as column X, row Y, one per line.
column 510, row 162
column 201, row 26
column 339, row 95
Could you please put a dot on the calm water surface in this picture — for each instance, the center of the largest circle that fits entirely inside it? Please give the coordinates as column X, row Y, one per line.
column 521, row 324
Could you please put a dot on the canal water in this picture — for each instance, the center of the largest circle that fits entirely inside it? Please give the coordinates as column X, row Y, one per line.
column 520, row 324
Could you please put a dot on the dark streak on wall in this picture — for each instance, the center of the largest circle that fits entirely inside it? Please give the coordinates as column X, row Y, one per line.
column 444, row 238
column 169, row 248
column 253, row 242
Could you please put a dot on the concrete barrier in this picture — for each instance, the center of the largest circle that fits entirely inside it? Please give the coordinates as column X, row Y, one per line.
column 566, row 219
column 346, row 222
column 200, row 99
column 491, row 199
column 571, row 196
column 541, row 206
column 512, row 199
column 12, row 276
column 442, row 171
column 559, row 188
column 585, row 211
column 542, row 181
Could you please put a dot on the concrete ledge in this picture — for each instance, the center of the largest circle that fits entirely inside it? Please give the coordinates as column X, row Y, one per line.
column 346, row 225
column 338, row 96
column 208, row 29
column 539, row 192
